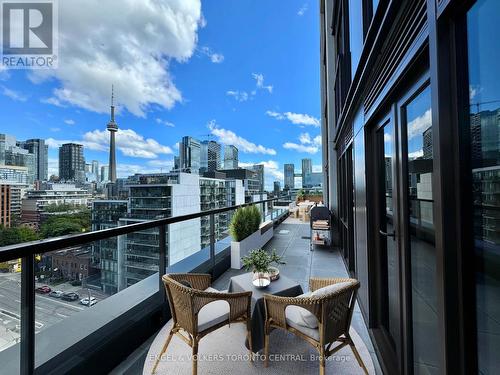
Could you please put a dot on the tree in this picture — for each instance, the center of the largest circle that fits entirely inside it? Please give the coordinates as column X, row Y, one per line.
column 61, row 224
column 15, row 235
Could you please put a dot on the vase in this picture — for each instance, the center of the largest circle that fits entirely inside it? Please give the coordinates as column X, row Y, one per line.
column 261, row 279
column 274, row 273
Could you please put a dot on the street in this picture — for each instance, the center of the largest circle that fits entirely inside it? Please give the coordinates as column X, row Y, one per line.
column 48, row 310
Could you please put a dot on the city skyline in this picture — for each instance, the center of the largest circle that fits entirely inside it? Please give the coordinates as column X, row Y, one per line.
column 271, row 118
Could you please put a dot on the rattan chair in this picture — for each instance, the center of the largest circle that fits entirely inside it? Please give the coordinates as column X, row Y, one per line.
column 187, row 296
column 333, row 312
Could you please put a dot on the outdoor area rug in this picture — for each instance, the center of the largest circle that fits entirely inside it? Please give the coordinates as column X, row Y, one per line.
column 223, row 352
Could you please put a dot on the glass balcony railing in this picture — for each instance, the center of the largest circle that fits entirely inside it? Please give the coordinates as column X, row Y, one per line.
column 63, row 291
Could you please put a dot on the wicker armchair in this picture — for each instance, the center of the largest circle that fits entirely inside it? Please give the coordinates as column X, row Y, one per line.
column 187, row 295
column 333, row 312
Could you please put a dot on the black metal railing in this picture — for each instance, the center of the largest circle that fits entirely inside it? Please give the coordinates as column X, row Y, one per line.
column 27, row 251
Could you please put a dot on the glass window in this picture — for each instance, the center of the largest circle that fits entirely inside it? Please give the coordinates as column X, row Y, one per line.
column 422, row 234
column 484, row 95
column 355, row 32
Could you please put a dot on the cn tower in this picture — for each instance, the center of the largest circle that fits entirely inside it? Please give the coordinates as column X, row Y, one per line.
column 112, row 128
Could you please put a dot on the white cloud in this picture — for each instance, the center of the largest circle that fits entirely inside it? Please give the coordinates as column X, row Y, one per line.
column 419, row 125
column 259, row 78
column 317, row 168
column 295, row 118
column 300, row 147
column 128, row 142
column 55, row 129
column 241, row 96
column 307, row 144
column 53, row 101
column 203, row 21
column 416, row 154
column 227, row 137
column 69, row 122
column 165, row 122
column 131, row 48
column 14, row 95
column 125, row 170
column 216, row 58
column 302, row 10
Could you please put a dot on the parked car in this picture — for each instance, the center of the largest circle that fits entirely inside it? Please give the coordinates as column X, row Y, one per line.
column 88, row 301
column 70, row 296
column 43, row 289
column 56, row 293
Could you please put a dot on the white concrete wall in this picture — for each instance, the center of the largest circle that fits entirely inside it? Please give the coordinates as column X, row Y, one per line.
column 184, row 237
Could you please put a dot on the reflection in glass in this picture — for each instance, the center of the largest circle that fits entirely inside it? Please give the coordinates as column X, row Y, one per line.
column 388, row 244
column 484, row 125
column 355, row 33
column 421, row 227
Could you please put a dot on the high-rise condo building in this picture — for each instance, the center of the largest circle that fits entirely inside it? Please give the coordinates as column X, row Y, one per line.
column 289, row 171
column 104, row 173
column 259, row 168
column 230, row 157
column 40, row 150
column 306, row 168
column 210, row 156
column 71, row 162
column 12, row 156
column 10, row 203
column 190, row 155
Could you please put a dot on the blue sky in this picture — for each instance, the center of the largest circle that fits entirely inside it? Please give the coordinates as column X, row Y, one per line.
column 245, row 72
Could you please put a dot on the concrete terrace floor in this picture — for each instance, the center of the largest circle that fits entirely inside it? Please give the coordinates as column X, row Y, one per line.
column 301, row 264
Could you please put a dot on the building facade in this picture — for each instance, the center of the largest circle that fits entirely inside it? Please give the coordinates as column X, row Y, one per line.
column 15, row 174
column 13, row 155
column 36, row 202
column 72, row 264
column 40, row 151
column 230, row 157
column 105, row 257
column 289, row 172
column 190, row 155
column 411, row 124
column 259, row 168
column 71, row 162
column 306, row 169
column 210, row 156
column 276, row 188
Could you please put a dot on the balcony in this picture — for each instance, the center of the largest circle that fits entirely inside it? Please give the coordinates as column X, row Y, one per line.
column 71, row 338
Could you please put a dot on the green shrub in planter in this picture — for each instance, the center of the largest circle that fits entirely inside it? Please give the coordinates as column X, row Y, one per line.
column 259, row 260
column 245, row 221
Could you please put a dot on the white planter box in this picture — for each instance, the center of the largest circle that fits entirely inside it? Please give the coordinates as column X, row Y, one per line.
column 255, row 241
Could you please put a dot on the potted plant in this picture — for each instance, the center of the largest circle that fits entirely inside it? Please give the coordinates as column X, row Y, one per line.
column 245, row 231
column 259, row 262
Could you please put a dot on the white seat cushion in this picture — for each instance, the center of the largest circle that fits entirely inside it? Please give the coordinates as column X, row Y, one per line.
column 305, row 317
column 330, row 289
column 294, row 319
column 212, row 313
